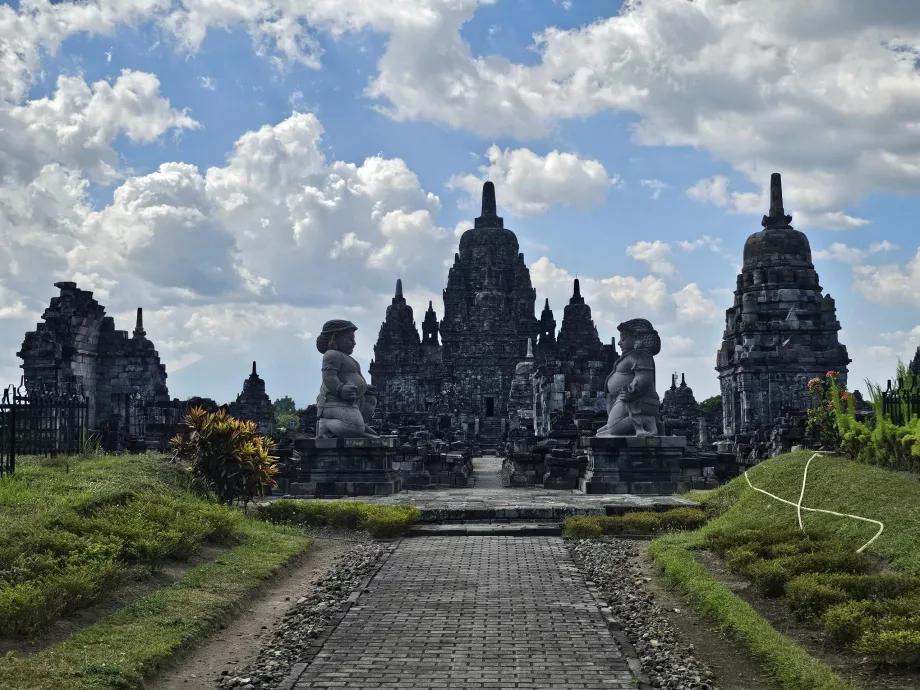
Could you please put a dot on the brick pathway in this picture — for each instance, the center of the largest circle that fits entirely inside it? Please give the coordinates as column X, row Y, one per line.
column 473, row 612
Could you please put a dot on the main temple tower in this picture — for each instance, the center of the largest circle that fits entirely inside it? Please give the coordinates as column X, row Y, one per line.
column 488, row 317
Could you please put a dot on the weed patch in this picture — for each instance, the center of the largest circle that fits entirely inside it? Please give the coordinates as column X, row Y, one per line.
column 635, row 523
column 380, row 521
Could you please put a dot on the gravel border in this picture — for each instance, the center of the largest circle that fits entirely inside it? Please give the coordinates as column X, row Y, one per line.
column 305, row 624
column 664, row 659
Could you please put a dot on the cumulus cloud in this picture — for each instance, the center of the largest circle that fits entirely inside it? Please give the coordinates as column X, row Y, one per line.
column 712, row 243
column 531, row 183
column 76, row 126
column 654, row 254
column 838, row 251
column 829, row 95
column 693, row 306
column 890, row 284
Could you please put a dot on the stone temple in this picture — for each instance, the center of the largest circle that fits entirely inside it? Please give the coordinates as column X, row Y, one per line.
column 465, row 363
column 781, row 330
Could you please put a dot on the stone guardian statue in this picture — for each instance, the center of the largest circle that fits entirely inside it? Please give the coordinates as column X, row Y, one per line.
column 346, row 402
column 633, row 406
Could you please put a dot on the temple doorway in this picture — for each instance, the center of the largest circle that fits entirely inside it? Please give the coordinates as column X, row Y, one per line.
column 490, row 407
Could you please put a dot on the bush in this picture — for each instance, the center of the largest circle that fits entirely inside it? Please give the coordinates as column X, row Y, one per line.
column 583, row 527
column 380, row 521
column 892, row 645
column 636, row 523
column 771, row 575
column 229, row 454
column 809, row 596
column 848, row 621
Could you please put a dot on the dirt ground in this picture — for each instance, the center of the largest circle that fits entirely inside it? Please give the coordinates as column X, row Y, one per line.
column 848, row 664
column 733, row 669
column 237, row 643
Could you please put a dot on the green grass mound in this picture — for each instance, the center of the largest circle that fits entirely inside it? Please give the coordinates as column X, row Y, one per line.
column 853, row 595
column 123, row 649
column 380, row 521
column 71, row 530
column 635, row 523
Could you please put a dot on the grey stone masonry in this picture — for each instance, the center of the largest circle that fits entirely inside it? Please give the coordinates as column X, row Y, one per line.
column 680, row 410
column 254, row 405
column 781, row 330
column 76, row 347
column 489, row 613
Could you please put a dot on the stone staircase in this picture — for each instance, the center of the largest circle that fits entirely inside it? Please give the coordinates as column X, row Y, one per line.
column 490, row 433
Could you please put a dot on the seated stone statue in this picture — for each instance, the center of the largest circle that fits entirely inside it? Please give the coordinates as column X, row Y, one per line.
column 633, row 406
column 345, row 403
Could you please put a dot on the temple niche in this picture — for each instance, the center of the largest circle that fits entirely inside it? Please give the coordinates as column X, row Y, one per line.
column 781, row 330
column 466, row 363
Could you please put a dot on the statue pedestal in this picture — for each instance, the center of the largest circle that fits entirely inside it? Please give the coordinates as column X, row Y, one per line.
column 634, row 465
column 336, row 467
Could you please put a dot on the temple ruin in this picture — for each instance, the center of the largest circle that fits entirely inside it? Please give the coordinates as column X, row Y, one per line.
column 781, row 330
column 488, row 320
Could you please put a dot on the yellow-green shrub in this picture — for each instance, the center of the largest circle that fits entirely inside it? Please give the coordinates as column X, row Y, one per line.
column 229, row 454
column 379, row 520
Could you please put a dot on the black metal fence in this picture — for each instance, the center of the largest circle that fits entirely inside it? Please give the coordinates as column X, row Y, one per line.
column 901, row 401
column 40, row 423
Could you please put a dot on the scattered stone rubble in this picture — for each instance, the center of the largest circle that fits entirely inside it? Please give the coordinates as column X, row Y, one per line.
column 665, row 659
column 304, row 621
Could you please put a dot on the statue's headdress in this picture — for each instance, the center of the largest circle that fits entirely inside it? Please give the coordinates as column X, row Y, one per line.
column 647, row 337
column 330, row 330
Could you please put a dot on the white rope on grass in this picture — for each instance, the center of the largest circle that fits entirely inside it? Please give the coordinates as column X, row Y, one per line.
column 799, row 507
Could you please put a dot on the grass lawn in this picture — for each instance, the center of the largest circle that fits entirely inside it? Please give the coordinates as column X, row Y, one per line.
column 739, row 513
column 70, row 529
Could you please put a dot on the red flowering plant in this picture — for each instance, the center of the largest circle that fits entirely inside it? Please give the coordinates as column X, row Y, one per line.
column 828, row 400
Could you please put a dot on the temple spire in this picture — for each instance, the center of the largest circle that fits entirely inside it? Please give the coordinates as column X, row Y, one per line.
column 546, row 308
column 489, row 217
column 577, row 289
column 777, row 217
column 530, row 348
column 399, row 287
column 139, row 331
column 683, row 381
column 254, row 368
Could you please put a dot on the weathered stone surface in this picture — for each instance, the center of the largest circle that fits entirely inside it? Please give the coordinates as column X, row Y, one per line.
column 488, row 319
column 681, row 412
column 345, row 405
column 76, row 348
column 634, row 408
column 254, row 405
column 338, row 467
column 781, row 330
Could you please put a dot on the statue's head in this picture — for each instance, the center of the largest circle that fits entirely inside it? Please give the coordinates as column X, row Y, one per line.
column 337, row 334
column 638, row 334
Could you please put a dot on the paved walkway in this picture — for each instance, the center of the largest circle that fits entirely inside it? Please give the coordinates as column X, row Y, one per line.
column 487, row 472
column 473, row 612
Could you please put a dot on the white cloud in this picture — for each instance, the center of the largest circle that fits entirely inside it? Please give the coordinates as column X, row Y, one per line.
column 653, row 254
column 693, row 306
column 890, row 283
column 838, row 251
column 208, row 83
column 77, row 124
column 713, row 243
column 828, row 95
column 531, row 183
column 657, row 186
column 678, row 343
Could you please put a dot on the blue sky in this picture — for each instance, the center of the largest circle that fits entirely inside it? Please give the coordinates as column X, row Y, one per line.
column 612, row 139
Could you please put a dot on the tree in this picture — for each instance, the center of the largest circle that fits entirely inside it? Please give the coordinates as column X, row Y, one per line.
column 712, row 405
column 285, row 412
